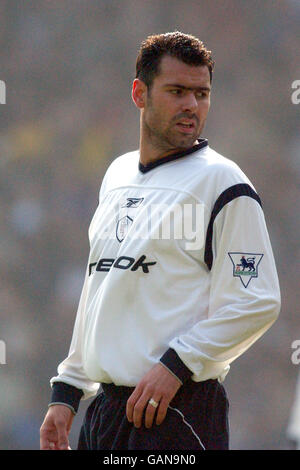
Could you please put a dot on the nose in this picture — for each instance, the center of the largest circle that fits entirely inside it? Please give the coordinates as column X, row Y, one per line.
column 190, row 102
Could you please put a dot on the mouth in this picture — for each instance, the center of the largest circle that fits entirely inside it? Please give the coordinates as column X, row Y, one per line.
column 186, row 127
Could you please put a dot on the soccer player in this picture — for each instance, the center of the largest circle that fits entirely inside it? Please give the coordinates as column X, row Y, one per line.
column 161, row 317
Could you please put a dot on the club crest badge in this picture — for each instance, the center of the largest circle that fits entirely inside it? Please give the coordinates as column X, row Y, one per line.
column 123, row 226
column 245, row 265
column 124, row 221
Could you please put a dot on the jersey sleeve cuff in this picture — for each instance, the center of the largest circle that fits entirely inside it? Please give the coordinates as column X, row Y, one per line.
column 176, row 366
column 69, row 395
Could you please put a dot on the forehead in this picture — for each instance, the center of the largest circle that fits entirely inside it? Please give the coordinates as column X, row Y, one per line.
column 189, row 75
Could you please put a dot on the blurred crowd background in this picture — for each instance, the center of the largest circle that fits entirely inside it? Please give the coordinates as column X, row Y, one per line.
column 68, row 67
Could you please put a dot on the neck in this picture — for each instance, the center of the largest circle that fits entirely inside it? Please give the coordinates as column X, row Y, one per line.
column 150, row 153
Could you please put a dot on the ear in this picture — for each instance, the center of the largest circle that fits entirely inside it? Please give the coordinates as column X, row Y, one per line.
column 138, row 94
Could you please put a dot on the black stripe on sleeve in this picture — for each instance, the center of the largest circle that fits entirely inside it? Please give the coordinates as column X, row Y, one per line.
column 228, row 195
column 173, row 362
column 65, row 393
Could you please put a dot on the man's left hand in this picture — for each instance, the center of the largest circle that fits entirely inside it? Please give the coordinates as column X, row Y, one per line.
column 158, row 384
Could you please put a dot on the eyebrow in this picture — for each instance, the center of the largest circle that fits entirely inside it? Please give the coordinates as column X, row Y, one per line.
column 182, row 87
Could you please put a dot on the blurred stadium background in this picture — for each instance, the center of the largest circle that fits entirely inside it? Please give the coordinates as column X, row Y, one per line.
column 68, row 66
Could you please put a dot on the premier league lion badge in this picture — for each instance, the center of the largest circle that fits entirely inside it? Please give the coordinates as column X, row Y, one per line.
column 245, row 265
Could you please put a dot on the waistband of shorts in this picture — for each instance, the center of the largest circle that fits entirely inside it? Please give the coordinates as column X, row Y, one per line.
column 112, row 390
column 121, row 391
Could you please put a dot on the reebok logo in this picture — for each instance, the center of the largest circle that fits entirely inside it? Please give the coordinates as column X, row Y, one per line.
column 133, row 202
column 123, row 262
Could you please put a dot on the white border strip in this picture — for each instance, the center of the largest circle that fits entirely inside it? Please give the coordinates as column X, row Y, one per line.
column 191, row 428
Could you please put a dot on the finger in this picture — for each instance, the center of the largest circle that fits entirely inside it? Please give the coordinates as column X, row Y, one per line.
column 45, row 439
column 45, row 444
column 150, row 413
column 62, row 436
column 131, row 403
column 139, row 410
column 162, row 411
column 48, row 444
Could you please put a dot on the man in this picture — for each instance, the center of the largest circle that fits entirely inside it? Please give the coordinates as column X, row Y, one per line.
column 160, row 319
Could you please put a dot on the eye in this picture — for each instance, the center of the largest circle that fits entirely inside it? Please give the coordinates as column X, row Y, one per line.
column 201, row 94
column 175, row 91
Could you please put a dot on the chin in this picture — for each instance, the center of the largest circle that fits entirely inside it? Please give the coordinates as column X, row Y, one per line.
column 186, row 142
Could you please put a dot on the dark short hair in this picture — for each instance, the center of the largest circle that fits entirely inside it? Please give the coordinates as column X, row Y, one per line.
column 184, row 47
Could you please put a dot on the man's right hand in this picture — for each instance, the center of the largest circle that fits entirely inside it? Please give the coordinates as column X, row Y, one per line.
column 55, row 429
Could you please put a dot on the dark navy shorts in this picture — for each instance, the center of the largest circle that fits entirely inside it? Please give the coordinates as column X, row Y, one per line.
column 197, row 419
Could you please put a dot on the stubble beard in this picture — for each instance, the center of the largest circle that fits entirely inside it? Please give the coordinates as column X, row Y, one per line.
column 165, row 138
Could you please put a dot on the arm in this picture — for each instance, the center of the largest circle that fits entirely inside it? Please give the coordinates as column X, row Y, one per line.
column 71, row 371
column 71, row 384
column 240, row 310
column 68, row 387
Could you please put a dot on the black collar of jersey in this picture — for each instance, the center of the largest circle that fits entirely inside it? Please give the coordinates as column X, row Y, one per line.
column 144, row 168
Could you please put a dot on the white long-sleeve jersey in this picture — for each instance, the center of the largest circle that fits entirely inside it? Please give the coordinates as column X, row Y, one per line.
column 180, row 271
